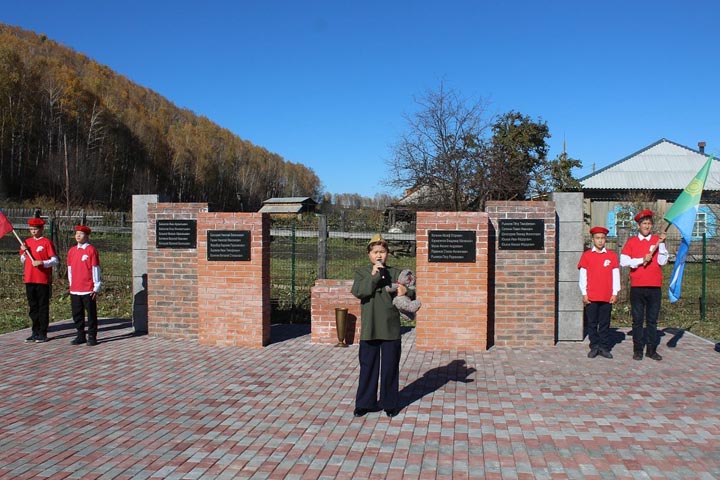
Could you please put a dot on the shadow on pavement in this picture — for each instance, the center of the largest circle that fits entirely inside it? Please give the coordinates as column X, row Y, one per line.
column 282, row 332
column 434, row 379
column 62, row 330
column 677, row 334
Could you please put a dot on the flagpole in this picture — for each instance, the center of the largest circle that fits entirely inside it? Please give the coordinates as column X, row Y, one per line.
column 4, row 224
column 22, row 244
column 657, row 244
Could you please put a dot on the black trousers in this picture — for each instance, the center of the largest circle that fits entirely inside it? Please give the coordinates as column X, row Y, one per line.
column 645, row 304
column 597, row 317
column 379, row 360
column 38, row 297
column 80, row 305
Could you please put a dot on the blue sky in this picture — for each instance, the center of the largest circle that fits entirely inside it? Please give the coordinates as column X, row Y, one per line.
column 327, row 83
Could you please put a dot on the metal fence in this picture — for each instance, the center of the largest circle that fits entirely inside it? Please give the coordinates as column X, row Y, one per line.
column 303, row 251
column 300, row 254
column 113, row 243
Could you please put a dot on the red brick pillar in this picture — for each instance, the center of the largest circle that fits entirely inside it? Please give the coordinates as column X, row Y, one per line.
column 454, row 296
column 525, row 308
column 172, row 277
column 234, row 295
column 325, row 297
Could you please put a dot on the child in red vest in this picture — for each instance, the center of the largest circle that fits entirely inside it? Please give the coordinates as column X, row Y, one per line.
column 83, row 264
column 38, row 256
column 599, row 285
column 645, row 254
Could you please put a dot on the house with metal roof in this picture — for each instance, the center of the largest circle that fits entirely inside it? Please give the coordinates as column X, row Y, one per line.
column 652, row 177
column 288, row 205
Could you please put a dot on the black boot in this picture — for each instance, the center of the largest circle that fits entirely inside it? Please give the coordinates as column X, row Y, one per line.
column 637, row 352
column 651, row 353
column 79, row 339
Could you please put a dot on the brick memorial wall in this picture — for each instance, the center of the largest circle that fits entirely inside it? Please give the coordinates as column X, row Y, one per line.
column 233, row 270
column 524, row 275
column 208, row 275
column 452, row 281
column 172, row 294
column 484, row 278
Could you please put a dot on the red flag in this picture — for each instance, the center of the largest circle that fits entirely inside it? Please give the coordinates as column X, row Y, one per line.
column 5, row 226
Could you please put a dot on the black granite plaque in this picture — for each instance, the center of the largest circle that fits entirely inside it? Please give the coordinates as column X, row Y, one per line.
column 228, row 245
column 522, row 234
column 452, row 246
column 176, row 234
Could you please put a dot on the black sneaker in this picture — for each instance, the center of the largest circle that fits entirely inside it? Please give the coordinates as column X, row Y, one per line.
column 78, row 341
column 593, row 352
column 91, row 342
column 30, row 339
column 41, row 339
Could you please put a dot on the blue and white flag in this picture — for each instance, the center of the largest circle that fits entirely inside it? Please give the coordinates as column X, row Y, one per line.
column 682, row 214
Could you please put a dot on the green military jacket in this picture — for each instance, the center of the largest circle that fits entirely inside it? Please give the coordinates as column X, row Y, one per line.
column 379, row 318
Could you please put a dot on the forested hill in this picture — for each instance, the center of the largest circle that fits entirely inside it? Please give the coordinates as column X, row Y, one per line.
column 66, row 118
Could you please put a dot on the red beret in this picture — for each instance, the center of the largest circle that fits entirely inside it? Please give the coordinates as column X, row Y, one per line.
column 602, row 230
column 36, row 222
column 82, row 228
column 643, row 214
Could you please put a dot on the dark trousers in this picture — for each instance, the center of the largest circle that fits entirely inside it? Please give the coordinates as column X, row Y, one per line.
column 645, row 303
column 597, row 316
column 81, row 304
column 379, row 359
column 38, row 297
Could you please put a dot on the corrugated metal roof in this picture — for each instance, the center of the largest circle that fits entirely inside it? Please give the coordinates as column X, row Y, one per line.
column 664, row 165
column 281, row 208
column 289, row 200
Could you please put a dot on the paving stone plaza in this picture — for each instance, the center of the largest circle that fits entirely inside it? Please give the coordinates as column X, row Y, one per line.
column 138, row 407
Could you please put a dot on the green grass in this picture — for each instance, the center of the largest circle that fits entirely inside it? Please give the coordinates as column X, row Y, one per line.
column 293, row 279
column 115, row 299
column 685, row 313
